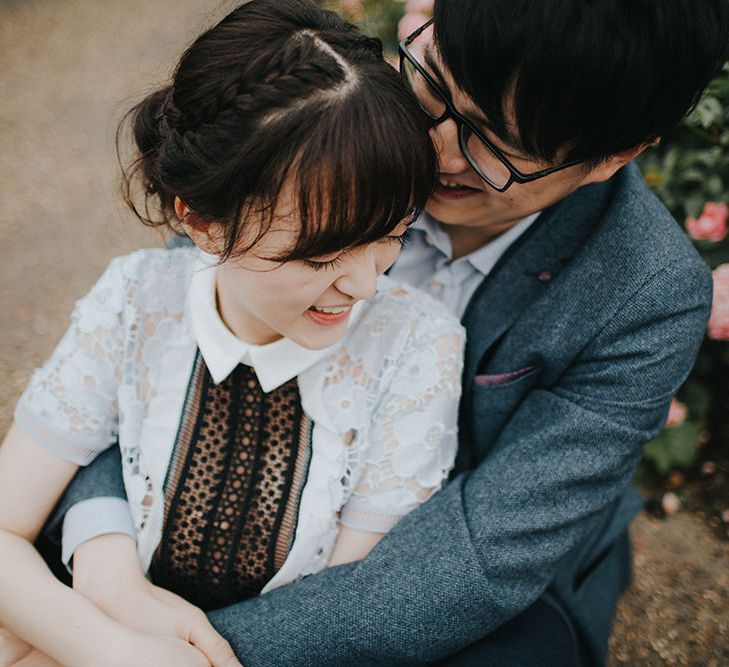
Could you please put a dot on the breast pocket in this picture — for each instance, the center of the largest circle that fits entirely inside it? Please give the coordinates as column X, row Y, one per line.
column 494, row 398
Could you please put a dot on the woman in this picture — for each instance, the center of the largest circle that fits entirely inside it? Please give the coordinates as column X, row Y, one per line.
column 277, row 407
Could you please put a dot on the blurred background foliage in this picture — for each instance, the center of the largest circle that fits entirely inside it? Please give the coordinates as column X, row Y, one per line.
column 689, row 171
column 375, row 17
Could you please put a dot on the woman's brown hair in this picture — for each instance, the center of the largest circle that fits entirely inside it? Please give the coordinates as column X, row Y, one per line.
column 279, row 89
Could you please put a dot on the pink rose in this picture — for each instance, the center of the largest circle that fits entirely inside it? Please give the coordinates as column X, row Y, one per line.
column 354, row 8
column 711, row 225
column 718, row 328
column 410, row 23
column 677, row 414
column 419, row 7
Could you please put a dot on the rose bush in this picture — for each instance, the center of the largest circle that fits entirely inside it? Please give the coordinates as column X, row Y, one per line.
column 689, row 171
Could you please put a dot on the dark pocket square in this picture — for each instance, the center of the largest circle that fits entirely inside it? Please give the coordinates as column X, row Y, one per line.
column 501, row 378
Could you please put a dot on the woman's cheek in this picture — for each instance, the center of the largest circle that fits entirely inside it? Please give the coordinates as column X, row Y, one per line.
column 300, row 288
column 388, row 257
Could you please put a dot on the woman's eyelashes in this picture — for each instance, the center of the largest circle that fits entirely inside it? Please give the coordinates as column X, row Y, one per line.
column 318, row 266
column 399, row 239
column 331, row 263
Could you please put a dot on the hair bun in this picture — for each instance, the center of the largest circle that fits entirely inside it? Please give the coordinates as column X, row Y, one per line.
column 149, row 120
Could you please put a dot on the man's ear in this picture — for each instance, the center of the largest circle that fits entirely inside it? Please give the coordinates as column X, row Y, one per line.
column 606, row 169
column 205, row 234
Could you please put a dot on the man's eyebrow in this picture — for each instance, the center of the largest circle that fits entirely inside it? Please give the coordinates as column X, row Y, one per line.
column 513, row 149
column 435, row 70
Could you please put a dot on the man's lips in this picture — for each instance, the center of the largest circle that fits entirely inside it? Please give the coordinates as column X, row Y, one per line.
column 450, row 190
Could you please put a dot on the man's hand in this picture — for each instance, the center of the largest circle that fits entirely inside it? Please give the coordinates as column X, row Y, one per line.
column 108, row 573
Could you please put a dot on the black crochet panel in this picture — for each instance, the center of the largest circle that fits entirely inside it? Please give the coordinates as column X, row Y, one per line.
column 233, row 488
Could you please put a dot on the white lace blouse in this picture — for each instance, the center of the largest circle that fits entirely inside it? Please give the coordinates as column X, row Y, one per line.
column 383, row 400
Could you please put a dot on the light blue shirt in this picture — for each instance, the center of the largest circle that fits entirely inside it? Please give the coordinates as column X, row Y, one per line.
column 425, row 262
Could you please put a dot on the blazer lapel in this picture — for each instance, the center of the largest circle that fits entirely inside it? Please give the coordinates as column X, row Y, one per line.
column 525, row 271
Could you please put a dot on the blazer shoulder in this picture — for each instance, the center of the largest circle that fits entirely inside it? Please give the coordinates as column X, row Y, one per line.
column 638, row 236
column 636, row 213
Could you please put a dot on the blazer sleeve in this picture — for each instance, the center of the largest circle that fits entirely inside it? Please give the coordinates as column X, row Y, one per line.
column 487, row 545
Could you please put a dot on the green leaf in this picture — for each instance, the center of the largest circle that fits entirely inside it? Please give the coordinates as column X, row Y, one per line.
column 697, row 398
column 674, row 448
column 708, row 111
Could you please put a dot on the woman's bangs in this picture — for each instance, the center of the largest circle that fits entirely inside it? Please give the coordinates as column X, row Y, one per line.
column 356, row 179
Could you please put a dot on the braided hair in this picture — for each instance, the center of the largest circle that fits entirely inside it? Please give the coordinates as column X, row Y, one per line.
column 281, row 89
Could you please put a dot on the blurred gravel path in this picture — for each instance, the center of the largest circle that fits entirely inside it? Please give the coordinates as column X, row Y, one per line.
column 68, row 69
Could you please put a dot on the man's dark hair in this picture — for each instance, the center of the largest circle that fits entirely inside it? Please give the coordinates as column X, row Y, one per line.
column 281, row 91
column 585, row 78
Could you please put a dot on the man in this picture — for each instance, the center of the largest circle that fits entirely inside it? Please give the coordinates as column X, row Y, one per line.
column 585, row 306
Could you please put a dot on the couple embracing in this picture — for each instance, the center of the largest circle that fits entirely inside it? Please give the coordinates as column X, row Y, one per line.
column 342, row 467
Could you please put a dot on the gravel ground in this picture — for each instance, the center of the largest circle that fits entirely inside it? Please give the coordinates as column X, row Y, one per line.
column 67, row 72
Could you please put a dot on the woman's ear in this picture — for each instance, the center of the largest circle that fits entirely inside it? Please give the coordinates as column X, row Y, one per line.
column 205, row 235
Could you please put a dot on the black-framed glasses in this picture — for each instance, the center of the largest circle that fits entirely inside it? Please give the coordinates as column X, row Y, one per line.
column 485, row 158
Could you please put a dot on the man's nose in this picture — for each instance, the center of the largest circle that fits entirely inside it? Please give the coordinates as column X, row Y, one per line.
column 359, row 279
column 450, row 158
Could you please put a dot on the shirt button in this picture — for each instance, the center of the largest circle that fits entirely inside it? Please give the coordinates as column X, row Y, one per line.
column 545, row 275
column 429, row 240
column 436, row 287
column 319, row 551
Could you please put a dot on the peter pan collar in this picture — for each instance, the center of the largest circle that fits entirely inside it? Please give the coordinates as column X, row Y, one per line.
column 274, row 363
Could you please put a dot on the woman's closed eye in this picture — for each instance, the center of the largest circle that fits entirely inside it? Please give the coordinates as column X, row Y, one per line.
column 400, row 239
column 322, row 264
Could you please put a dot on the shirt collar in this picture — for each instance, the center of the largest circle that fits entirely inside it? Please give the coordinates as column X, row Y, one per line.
column 484, row 258
column 274, row 363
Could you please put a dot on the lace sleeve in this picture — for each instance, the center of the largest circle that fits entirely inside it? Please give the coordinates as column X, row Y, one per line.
column 70, row 404
column 412, row 440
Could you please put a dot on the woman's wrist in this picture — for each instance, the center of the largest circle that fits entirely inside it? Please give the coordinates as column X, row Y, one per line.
column 114, row 646
column 90, row 637
column 107, row 566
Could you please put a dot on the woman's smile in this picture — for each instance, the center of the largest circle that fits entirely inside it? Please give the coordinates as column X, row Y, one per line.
column 328, row 315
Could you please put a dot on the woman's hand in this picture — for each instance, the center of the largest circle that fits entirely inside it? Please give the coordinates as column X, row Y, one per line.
column 36, row 658
column 14, row 652
column 146, row 651
column 136, row 649
column 106, row 570
column 12, row 648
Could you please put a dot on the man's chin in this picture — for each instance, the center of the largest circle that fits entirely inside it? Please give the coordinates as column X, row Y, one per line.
column 456, row 213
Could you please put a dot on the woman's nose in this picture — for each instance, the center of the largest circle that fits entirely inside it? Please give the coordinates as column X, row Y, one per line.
column 359, row 278
column 450, row 157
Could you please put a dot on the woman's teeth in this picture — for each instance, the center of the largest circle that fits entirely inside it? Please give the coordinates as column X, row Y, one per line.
column 331, row 311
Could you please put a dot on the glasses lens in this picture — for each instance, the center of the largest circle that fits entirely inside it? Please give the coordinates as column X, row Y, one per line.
column 486, row 162
column 428, row 98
